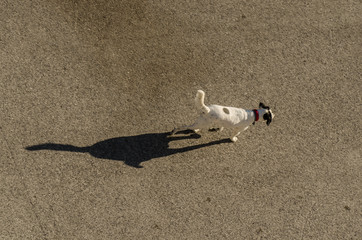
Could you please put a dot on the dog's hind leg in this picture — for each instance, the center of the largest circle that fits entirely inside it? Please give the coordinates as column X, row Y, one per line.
column 179, row 129
column 199, row 124
column 184, row 128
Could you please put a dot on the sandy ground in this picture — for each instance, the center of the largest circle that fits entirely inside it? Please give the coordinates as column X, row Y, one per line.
column 89, row 90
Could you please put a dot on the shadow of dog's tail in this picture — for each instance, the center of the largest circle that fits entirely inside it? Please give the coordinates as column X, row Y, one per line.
column 58, row 147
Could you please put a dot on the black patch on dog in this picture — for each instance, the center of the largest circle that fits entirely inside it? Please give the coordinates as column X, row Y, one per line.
column 268, row 117
column 226, row 110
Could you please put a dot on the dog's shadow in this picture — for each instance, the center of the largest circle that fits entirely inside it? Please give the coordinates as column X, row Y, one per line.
column 132, row 150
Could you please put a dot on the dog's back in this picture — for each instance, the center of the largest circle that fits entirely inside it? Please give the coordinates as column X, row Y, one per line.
column 221, row 115
column 227, row 116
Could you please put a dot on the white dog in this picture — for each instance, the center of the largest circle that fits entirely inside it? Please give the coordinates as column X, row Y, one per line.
column 216, row 116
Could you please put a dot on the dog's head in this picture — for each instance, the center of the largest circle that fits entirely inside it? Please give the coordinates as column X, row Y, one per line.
column 268, row 115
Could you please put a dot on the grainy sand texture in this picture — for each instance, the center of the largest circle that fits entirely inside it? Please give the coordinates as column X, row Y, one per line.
column 90, row 89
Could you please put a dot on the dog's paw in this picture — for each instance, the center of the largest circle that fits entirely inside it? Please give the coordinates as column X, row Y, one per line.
column 234, row 139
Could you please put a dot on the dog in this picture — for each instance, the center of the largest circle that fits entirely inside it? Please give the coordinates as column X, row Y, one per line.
column 220, row 117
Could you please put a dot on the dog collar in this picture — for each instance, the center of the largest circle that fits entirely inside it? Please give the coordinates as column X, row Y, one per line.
column 256, row 113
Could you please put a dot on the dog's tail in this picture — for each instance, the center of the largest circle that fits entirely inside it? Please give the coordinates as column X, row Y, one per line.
column 199, row 101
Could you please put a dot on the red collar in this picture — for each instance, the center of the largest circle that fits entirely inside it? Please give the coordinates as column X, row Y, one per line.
column 256, row 113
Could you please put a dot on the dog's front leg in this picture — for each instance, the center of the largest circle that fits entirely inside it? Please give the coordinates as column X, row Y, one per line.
column 235, row 135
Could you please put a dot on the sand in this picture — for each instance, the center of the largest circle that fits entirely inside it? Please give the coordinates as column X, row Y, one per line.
column 90, row 89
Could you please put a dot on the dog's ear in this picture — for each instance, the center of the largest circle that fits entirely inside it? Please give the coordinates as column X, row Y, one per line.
column 262, row 105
